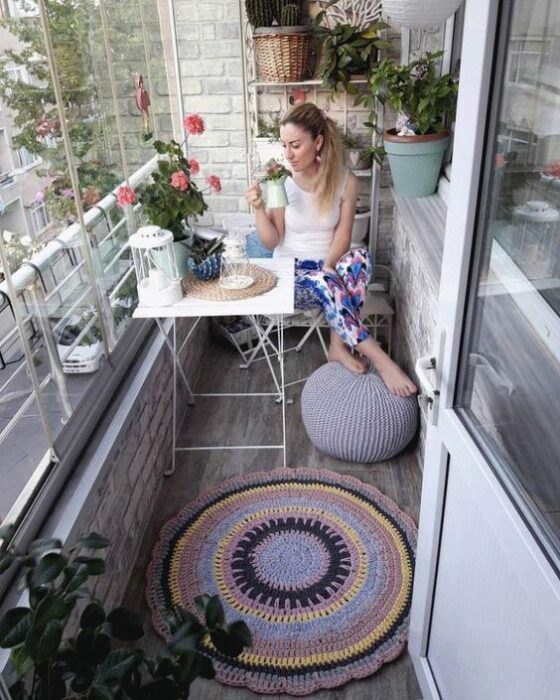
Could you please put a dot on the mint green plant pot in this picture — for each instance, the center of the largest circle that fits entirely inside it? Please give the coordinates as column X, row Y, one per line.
column 182, row 254
column 415, row 162
column 276, row 197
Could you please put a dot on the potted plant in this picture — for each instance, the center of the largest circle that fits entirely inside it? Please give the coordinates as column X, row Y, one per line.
column 206, row 257
column 281, row 38
column 63, row 644
column 426, row 100
column 267, row 142
column 346, row 51
column 357, row 155
column 173, row 199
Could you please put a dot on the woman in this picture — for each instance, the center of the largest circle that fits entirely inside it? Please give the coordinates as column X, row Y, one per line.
column 315, row 229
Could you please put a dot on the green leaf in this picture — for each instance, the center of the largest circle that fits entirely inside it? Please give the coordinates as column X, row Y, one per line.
column 7, row 532
column 21, row 660
column 117, row 665
column 82, row 680
column 125, row 625
column 77, row 580
column 14, row 626
column 93, row 616
column 160, row 689
column 5, row 562
column 214, row 612
column 43, row 643
column 226, row 644
column 201, row 601
column 50, row 608
column 94, row 540
column 239, row 631
column 184, row 643
column 48, row 568
column 94, row 565
column 43, row 544
column 204, row 667
column 100, row 691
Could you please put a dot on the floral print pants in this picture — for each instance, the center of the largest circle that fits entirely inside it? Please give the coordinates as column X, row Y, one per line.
column 340, row 296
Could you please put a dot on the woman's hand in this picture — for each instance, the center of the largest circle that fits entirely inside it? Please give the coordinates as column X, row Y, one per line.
column 254, row 196
column 331, row 269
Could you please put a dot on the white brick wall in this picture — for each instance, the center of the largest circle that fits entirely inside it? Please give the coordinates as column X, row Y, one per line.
column 209, row 45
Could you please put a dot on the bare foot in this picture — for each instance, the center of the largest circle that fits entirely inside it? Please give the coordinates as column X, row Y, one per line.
column 338, row 352
column 395, row 379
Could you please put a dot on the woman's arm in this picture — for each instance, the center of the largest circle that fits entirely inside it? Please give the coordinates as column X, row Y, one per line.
column 270, row 225
column 343, row 231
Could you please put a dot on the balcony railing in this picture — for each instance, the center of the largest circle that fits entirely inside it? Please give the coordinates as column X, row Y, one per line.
column 46, row 296
column 7, row 180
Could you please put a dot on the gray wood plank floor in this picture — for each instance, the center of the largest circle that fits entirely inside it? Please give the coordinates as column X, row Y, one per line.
column 257, row 421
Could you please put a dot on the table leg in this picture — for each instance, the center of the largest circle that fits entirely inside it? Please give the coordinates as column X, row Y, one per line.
column 283, row 385
column 263, row 338
column 177, row 361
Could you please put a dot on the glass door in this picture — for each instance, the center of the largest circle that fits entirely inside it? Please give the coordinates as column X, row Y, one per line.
column 486, row 607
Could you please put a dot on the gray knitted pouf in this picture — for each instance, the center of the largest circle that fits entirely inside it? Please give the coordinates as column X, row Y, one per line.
column 355, row 417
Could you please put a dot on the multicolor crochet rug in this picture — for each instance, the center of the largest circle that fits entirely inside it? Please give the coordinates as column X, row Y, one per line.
column 318, row 565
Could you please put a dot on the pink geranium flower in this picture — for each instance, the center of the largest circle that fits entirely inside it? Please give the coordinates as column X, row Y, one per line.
column 553, row 168
column 214, row 182
column 193, row 124
column 180, row 181
column 194, row 166
column 126, row 195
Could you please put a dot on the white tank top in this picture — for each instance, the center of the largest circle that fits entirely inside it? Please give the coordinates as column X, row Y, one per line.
column 308, row 232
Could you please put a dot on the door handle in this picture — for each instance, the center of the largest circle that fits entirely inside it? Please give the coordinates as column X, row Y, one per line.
column 428, row 398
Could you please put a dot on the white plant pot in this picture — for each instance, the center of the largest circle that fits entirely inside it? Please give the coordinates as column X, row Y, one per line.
column 360, row 229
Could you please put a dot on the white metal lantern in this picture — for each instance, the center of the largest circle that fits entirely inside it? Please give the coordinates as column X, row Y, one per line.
column 420, row 13
column 159, row 283
column 235, row 271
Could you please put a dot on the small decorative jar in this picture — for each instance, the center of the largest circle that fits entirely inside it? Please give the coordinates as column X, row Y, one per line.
column 158, row 280
column 235, row 271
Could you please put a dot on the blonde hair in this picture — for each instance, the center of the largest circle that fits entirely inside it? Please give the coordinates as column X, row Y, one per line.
column 311, row 119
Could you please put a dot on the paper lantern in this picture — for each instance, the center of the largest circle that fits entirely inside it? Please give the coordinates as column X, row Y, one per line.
column 420, row 13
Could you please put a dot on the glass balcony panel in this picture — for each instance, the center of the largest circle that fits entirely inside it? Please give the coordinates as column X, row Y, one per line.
column 511, row 353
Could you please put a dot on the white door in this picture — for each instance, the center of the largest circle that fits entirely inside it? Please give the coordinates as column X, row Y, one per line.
column 485, row 621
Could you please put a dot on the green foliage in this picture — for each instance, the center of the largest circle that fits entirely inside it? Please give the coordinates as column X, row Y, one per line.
column 202, row 249
column 164, row 205
column 35, row 114
column 51, row 664
column 259, row 12
column 347, row 51
column 269, row 128
column 418, row 91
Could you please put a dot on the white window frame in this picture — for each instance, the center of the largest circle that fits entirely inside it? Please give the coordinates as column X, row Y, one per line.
column 21, row 166
column 37, row 209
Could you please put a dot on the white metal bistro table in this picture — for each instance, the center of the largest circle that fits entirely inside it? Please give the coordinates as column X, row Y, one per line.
column 275, row 304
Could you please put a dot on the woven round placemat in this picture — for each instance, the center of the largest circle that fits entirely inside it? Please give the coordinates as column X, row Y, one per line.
column 265, row 280
column 319, row 565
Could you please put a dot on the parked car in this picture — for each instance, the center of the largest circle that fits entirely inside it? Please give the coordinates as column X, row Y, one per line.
column 85, row 357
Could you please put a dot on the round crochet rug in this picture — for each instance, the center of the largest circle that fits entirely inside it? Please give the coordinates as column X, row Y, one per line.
column 317, row 564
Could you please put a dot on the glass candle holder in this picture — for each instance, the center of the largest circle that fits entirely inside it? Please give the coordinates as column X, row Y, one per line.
column 235, row 271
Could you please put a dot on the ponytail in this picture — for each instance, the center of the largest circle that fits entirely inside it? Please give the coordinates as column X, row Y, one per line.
column 310, row 118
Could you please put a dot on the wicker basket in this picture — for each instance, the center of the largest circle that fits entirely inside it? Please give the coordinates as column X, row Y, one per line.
column 283, row 55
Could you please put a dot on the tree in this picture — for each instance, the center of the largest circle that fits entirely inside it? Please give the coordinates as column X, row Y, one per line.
column 36, row 115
